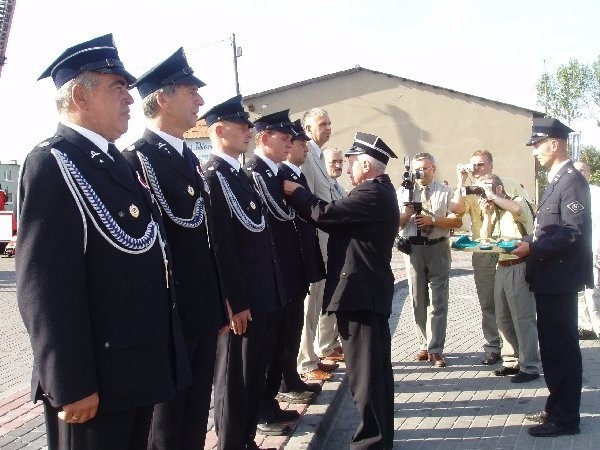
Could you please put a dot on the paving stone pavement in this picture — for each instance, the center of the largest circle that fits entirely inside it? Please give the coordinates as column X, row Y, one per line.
column 460, row 407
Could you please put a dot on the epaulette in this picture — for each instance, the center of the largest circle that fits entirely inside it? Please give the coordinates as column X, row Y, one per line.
column 49, row 143
column 136, row 145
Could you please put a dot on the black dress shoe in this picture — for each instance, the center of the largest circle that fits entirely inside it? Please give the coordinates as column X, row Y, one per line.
column 539, row 417
column 273, row 428
column 549, row 429
column 523, row 377
column 285, row 415
column 312, row 387
column 503, row 371
column 295, row 397
column 490, row 358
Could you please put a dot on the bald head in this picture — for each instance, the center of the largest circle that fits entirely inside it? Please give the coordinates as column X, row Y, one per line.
column 583, row 168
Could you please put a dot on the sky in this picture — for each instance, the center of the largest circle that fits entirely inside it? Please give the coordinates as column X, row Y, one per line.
column 496, row 50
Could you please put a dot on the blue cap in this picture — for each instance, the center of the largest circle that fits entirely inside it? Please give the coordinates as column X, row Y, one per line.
column 172, row 71
column 277, row 121
column 546, row 127
column 97, row 55
column 231, row 110
column 369, row 144
column 299, row 133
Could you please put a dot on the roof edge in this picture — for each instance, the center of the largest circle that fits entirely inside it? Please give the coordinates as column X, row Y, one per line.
column 359, row 69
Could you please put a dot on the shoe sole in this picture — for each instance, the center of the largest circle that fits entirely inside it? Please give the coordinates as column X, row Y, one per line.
column 295, row 401
column 284, row 432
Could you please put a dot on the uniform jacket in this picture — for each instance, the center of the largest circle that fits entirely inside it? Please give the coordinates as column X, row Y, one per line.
column 561, row 257
column 287, row 242
column 181, row 194
column 247, row 260
column 99, row 319
column 312, row 259
column 362, row 228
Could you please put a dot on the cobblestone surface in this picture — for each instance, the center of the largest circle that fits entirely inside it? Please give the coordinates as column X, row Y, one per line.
column 462, row 406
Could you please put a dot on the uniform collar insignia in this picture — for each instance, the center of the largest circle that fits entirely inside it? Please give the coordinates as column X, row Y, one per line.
column 94, row 154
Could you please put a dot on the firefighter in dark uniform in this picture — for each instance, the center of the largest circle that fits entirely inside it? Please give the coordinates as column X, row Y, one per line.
column 170, row 100
column 250, row 276
column 359, row 284
column 313, row 270
column 559, row 263
column 93, row 276
column 274, row 134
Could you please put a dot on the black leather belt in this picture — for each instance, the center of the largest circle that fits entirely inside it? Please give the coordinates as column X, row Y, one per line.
column 420, row 241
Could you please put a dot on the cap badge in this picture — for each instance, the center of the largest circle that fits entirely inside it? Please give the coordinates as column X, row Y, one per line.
column 134, row 211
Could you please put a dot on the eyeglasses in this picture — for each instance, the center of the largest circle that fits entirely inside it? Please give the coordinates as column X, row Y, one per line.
column 479, row 164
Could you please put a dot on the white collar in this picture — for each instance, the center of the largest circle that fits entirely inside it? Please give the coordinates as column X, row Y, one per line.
column 98, row 140
column 267, row 161
column 228, row 159
column 314, row 147
column 294, row 167
column 555, row 170
column 175, row 142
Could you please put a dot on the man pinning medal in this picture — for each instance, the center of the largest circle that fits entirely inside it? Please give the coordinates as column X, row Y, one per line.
column 359, row 283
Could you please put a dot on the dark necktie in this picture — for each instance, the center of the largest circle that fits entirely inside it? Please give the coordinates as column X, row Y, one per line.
column 189, row 159
column 113, row 151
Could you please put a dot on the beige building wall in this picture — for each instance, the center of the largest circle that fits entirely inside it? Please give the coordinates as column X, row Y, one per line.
column 412, row 117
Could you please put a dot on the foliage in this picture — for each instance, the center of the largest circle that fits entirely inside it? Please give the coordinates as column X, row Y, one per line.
column 566, row 95
column 591, row 156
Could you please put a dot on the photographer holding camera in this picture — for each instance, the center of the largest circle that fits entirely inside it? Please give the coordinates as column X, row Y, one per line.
column 479, row 168
column 425, row 223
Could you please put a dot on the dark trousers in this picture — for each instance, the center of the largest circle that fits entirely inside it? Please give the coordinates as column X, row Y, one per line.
column 123, row 430
column 367, row 349
column 561, row 356
column 180, row 424
column 282, row 372
column 240, row 380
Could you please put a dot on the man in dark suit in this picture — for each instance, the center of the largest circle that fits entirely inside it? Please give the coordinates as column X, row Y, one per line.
column 561, row 244
column 103, row 323
column 251, row 281
column 359, row 283
column 273, row 144
column 170, row 100
column 312, row 268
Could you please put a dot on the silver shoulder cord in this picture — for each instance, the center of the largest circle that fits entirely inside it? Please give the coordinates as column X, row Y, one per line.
column 198, row 212
column 236, row 208
column 272, row 205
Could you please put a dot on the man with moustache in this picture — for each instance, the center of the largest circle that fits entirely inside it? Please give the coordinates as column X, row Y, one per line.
column 560, row 244
column 170, row 97
column 360, row 284
column 334, row 162
column 103, row 324
column 250, row 278
column 319, row 335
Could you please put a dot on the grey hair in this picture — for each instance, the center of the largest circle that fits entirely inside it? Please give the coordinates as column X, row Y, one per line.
column 64, row 95
column 330, row 151
column 150, row 102
column 311, row 113
column 424, row 155
column 376, row 165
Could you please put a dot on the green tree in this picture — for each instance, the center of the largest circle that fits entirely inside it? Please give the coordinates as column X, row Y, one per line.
column 594, row 90
column 565, row 94
column 591, row 156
